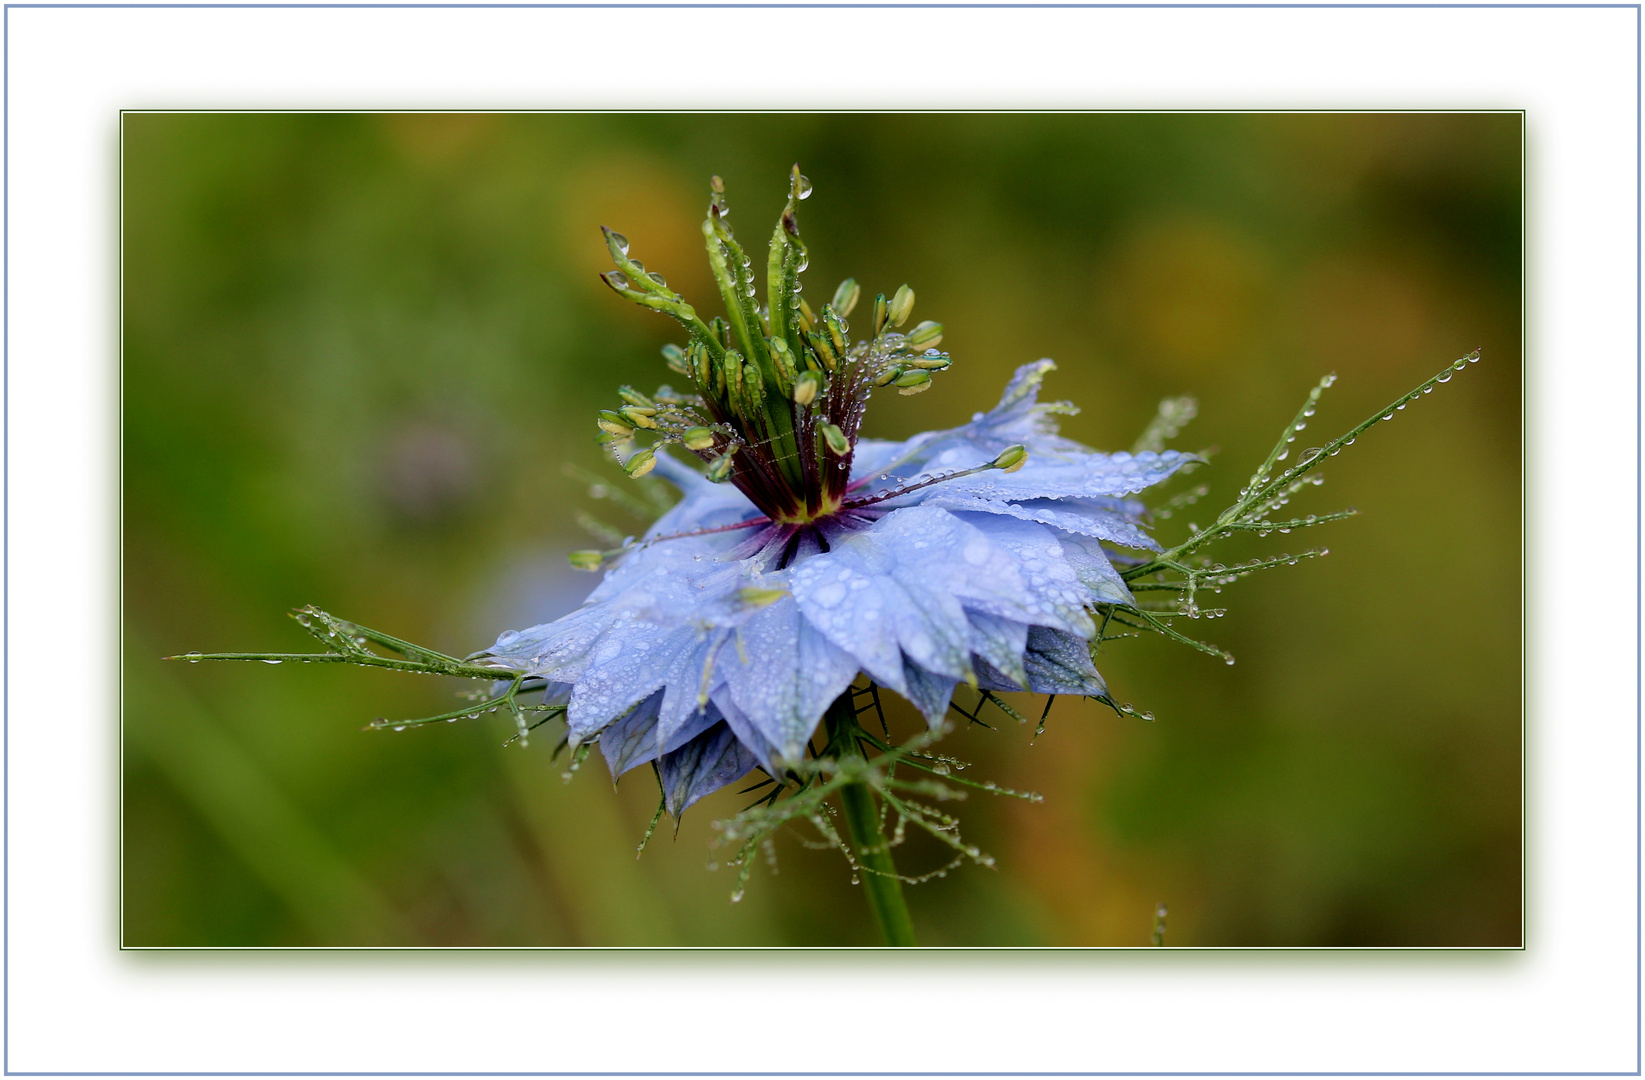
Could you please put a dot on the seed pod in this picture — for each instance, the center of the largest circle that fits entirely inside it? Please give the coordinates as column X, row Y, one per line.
column 837, row 329
column 1011, row 458
column 640, row 464
column 720, row 468
column 639, row 416
column 836, row 440
column 912, row 382
column 930, row 360
column 586, row 560
column 614, row 424
column 902, row 305
column 924, row 336
column 846, row 296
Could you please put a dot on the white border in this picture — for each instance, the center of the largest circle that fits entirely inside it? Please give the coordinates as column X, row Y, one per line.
column 1568, row 1003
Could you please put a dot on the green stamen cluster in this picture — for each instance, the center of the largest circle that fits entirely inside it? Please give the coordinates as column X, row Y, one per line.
column 780, row 389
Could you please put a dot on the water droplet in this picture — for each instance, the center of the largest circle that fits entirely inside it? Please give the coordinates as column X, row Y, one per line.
column 399, row 727
column 1229, row 660
column 1445, row 376
column 451, row 719
column 271, row 661
column 1403, row 404
column 803, row 188
column 737, row 896
column 620, row 242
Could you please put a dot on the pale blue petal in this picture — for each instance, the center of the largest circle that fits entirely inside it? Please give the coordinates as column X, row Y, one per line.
column 1058, row 597
column 629, row 663
column 1096, row 572
column 1077, row 476
column 678, row 473
column 746, row 731
column 783, row 674
column 930, row 693
column 999, row 643
column 637, row 738
column 704, row 765
column 873, row 456
column 1060, row 663
column 688, row 682
column 901, row 587
column 1067, row 515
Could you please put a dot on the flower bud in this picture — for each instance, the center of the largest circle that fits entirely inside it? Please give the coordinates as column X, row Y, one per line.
column 846, row 296
column 586, row 560
column 836, row 440
column 806, row 387
column 640, row 464
column 912, row 382
column 924, row 336
column 614, row 423
column 1011, row 458
column 882, row 314
column 902, row 305
column 698, row 438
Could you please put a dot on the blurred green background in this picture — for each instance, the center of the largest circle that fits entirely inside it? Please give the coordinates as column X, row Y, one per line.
column 361, row 350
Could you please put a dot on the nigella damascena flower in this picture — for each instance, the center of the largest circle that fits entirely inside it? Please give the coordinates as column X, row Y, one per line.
column 801, row 556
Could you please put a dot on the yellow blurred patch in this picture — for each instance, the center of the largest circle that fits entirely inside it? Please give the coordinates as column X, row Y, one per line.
column 437, row 139
column 658, row 209
column 1185, row 294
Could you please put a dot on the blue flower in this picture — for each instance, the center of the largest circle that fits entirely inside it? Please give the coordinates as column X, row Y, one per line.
column 715, row 644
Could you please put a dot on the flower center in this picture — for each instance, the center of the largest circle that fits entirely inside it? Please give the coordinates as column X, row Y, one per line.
column 780, row 391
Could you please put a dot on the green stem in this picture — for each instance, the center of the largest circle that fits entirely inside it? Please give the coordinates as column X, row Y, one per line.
column 862, row 817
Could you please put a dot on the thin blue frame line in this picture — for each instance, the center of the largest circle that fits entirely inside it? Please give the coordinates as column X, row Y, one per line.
column 818, row 1074
column 1639, row 543
column 5, row 543
column 5, row 551
column 818, row 4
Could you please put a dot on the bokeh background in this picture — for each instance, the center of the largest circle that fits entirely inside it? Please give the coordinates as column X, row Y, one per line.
column 362, row 354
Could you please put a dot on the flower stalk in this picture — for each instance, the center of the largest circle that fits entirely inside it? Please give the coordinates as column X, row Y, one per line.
column 876, row 869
